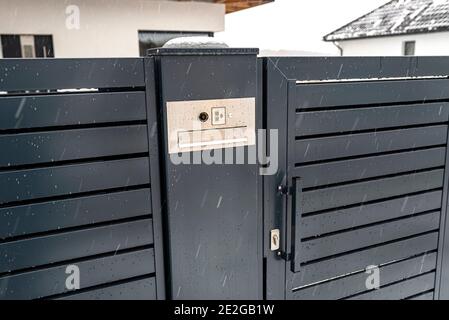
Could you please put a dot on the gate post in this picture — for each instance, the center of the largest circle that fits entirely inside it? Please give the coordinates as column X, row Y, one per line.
column 212, row 211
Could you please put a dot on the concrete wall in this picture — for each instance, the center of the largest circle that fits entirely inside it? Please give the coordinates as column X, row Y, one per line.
column 436, row 43
column 108, row 28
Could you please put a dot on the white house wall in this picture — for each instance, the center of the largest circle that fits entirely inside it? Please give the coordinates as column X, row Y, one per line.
column 108, row 28
column 436, row 43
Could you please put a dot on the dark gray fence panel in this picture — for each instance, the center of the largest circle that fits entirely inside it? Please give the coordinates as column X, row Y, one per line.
column 365, row 173
column 355, row 283
column 75, row 178
column 48, row 182
column 372, row 92
column 356, row 119
column 51, row 281
column 333, row 172
column 350, row 240
column 424, row 296
column 144, row 289
column 66, row 213
column 342, row 68
column 49, row 74
column 361, row 192
column 365, row 214
column 359, row 146
column 359, row 260
column 402, row 290
column 43, row 250
column 75, row 144
column 27, row 112
column 368, row 143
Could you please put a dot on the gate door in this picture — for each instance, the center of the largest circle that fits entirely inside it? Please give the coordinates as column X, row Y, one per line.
column 364, row 177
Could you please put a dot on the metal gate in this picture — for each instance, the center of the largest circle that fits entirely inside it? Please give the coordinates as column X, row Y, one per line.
column 363, row 179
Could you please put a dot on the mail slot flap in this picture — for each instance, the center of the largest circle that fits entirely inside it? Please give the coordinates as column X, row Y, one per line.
column 220, row 138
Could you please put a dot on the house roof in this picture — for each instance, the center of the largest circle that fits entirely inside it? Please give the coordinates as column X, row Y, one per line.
column 236, row 5
column 397, row 17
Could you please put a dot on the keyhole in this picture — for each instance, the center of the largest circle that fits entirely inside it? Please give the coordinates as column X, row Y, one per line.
column 275, row 240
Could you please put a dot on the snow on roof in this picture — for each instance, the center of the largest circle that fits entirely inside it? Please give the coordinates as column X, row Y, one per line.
column 397, row 17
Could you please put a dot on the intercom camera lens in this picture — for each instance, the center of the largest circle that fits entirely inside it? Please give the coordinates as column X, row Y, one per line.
column 203, row 116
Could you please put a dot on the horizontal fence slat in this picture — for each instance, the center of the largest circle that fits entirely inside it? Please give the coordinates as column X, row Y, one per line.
column 332, row 197
column 60, row 214
column 356, row 283
column 66, row 180
column 350, row 120
column 372, row 92
column 424, row 296
column 360, row 238
column 347, row 170
column 70, row 109
column 400, row 290
column 53, row 146
column 135, row 290
column 337, row 68
column 38, row 251
column 100, row 271
column 44, row 74
column 368, row 143
column 358, row 261
column 369, row 213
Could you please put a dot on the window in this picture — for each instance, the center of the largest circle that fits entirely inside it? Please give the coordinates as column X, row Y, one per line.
column 27, row 46
column 409, row 48
column 156, row 39
column 44, row 46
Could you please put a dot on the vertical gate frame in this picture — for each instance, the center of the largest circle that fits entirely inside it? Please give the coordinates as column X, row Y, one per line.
column 442, row 279
column 155, row 163
column 275, row 93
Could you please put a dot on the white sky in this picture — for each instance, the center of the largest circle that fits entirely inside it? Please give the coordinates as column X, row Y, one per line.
column 295, row 25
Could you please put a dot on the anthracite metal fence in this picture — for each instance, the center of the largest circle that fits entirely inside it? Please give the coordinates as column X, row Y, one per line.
column 86, row 179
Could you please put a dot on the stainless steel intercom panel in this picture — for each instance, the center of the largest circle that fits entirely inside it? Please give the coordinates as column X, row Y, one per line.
column 210, row 124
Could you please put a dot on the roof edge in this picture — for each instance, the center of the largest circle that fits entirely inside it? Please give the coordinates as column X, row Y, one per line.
column 351, row 22
column 417, row 31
